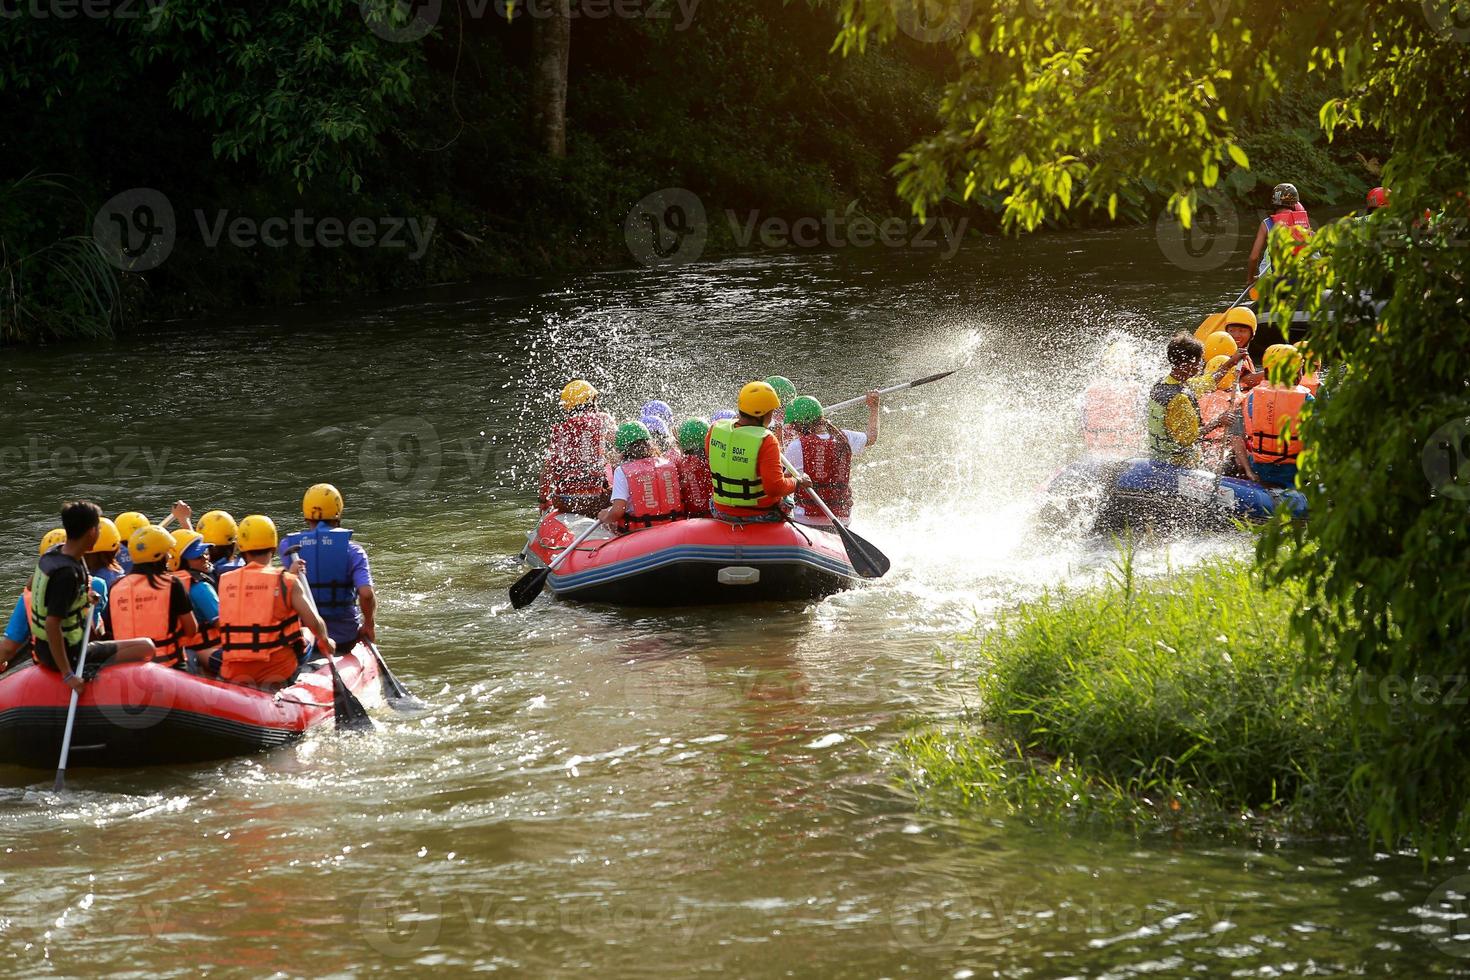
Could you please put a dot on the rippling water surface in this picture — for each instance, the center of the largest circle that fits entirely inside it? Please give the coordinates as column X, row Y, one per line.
column 623, row 790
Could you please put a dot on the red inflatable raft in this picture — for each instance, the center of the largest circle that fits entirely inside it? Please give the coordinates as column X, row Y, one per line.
column 141, row 714
column 691, row 562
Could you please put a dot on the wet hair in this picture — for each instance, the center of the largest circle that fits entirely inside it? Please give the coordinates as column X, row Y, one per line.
column 79, row 517
column 1184, row 349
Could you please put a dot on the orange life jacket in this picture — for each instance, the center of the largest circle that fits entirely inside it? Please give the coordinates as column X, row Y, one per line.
column 1212, row 405
column 694, row 485
column 653, row 488
column 829, row 463
column 576, row 460
column 139, row 608
column 1312, row 382
column 1112, row 418
column 256, row 618
column 1267, row 410
column 208, row 636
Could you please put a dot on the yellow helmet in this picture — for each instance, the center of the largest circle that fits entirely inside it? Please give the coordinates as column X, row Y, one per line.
column 322, row 503
column 1219, row 343
column 108, row 538
column 257, row 533
column 128, row 524
column 758, row 398
column 188, row 545
column 1212, row 323
column 217, row 528
column 1228, row 379
column 52, row 538
column 150, row 543
column 1240, row 316
column 577, row 394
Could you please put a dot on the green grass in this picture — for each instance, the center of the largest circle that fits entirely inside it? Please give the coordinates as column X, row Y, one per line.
column 1180, row 700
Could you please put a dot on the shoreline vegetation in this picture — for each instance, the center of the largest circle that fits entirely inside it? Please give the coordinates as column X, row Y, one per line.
column 746, row 105
column 1167, row 704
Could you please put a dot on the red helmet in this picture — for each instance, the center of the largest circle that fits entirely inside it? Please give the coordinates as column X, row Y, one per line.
column 1378, row 197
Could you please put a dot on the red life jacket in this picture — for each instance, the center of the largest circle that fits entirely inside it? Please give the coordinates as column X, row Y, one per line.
column 1294, row 218
column 208, row 635
column 829, row 463
column 694, row 485
column 577, row 465
column 1267, row 411
column 1212, row 405
column 140, row 610
column 1112, row 418
column 653, row 489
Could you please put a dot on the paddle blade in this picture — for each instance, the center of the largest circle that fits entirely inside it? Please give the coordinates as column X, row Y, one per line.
column 350, row 715
column 60, row 780
column 528, row 587
column 397, row 696
column 866, row 559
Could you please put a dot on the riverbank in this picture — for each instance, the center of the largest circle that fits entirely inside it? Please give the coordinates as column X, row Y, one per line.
column 1181, row 701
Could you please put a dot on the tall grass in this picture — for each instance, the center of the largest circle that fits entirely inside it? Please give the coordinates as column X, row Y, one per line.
column 50, row 287
column 1181, row 699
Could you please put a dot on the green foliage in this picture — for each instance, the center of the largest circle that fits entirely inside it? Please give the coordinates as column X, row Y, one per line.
column 1178, row 700
column 1111, row 92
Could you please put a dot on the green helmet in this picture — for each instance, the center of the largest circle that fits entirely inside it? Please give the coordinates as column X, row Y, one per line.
column 691, row 434
column 785, row 390
column 629, row 433
column 804, row 409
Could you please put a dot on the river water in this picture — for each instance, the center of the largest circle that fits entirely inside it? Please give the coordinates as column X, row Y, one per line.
column 635, row 792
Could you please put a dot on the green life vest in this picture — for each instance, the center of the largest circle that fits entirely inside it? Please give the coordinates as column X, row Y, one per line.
column 734, row 476
column 1162, row 446
column 72, row 617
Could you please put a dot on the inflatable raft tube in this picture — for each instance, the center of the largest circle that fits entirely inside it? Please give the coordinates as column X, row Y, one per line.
column 700, row 561
column 146, row 714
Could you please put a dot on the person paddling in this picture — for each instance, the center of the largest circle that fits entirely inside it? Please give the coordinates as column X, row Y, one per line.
column 574, row 478
column 1288, row 213
column 693, row 463
column 337, row 569
column 748, row 480
column 645, row 486
column 1271, row 410
column 60, row 596
column 824, row 452
column 262, row 609
column 16, row 639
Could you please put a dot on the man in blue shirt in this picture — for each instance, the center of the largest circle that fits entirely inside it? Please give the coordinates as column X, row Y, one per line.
column 336, row 569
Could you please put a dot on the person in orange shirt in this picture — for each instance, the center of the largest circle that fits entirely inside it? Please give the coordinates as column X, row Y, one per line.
column 747, row 477
column 261, row 613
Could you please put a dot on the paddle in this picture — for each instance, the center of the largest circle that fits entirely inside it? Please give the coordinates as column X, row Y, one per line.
column 71, row 711
column 849, row 403
column 347, row 710
column 866, row 559
column 529, row 586
column 397, row 696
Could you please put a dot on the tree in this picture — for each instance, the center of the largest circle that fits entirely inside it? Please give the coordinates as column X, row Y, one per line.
column 551, row 45
column 1060, row 104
